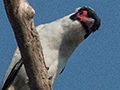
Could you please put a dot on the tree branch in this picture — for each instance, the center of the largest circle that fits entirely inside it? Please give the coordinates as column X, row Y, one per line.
column 20, row 14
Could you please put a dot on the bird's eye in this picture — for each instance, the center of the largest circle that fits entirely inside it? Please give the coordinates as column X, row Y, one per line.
column 81, row 12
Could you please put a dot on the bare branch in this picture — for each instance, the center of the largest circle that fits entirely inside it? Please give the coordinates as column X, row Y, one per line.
column 20, row 14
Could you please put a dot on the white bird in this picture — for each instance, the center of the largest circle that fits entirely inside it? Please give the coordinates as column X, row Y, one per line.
column 59, row 39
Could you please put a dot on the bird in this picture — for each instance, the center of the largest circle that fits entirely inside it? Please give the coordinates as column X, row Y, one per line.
column 59, row 39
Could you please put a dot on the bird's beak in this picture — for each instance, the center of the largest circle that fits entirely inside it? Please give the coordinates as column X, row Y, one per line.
column 89, row 22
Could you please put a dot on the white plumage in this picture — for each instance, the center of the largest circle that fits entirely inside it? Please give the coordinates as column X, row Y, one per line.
column 59, row 39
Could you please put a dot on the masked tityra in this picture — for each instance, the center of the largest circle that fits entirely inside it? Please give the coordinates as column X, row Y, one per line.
column 59, row 39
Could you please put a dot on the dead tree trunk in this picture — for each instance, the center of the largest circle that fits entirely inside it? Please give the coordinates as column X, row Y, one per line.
column 20, row 15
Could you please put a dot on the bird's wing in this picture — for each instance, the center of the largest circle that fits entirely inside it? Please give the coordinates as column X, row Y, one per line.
column 12, row 75
column 12, row 69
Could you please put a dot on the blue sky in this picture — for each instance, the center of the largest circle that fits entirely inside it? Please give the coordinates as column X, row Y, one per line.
column 95, row 65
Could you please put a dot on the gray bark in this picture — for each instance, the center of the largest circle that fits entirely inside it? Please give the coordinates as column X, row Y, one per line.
column 20, row 15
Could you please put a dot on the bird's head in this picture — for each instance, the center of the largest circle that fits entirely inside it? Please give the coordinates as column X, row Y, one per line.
column 88, row 18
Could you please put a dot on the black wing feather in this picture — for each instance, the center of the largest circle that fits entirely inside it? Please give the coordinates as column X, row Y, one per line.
column 12, row 75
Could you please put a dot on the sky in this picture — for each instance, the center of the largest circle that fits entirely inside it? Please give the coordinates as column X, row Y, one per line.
column 95, row 64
